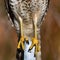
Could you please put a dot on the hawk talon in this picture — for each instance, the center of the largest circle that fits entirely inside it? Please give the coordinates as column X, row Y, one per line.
column 21, row 43
column 29, row 50
column 34, row 55
column 25, row 39
column 35, row 43
column 27, row 42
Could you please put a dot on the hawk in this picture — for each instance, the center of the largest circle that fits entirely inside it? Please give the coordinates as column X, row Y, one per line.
column 27, row 16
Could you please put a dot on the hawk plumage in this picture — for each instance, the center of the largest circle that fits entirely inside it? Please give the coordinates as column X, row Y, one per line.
column 26, row 9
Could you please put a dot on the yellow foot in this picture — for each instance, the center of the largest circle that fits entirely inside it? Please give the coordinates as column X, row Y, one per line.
column 21, row 43
column 35, row 43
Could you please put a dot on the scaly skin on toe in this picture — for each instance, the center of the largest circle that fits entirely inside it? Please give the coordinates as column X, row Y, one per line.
column 21, row 42
column 35, row 43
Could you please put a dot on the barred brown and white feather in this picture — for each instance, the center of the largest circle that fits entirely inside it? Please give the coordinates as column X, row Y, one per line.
column 26, row 9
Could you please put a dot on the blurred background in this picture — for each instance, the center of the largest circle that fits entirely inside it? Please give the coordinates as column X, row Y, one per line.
column 50, row 32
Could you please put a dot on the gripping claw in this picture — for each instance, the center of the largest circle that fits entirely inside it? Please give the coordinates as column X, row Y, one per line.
column 35, row 43
column 21, row 42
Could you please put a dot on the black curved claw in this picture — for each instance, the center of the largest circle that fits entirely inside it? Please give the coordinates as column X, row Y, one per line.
column 29, row 50
column 26, row 40
column 34, row 55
